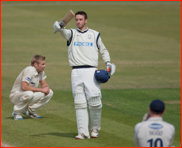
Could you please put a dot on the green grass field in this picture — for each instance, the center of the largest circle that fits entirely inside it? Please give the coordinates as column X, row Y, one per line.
column 144, row 41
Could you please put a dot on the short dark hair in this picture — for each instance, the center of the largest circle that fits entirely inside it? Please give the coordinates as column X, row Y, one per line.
column 81, row 13
column 156, row 113
column 36, row 59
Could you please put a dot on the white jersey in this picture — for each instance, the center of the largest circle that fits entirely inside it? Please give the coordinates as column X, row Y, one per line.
column 83, row 47
column 29, row 75
column 154, row 133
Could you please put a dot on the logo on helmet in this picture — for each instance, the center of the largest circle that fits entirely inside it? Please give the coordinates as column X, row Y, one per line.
column 102, row 76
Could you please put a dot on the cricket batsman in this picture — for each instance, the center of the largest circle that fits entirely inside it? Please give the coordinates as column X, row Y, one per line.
column 83, row 46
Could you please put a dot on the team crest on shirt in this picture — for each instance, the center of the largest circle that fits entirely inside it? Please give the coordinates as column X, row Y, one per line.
column 89, row 36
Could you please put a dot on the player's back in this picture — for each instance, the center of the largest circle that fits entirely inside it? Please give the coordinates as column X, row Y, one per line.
column 154, row 133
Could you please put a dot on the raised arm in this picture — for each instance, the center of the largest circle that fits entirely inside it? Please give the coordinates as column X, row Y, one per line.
column 65, row 33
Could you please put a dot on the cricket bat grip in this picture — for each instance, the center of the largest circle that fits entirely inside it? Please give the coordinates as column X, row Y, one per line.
column 108, row 69
column 55, row 31
column 65, row 20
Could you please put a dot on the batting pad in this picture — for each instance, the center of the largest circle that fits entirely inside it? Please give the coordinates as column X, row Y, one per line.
column 95, row 110
column 80, row 100
column 82, row 121
column 81, row 113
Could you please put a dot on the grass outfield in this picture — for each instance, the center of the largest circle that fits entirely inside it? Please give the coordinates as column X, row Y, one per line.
column 122, row 109
column 144, row 42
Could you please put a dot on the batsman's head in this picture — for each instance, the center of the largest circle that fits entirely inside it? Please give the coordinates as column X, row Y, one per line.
column 38, row 62
column 81, row 20
column 157, row 107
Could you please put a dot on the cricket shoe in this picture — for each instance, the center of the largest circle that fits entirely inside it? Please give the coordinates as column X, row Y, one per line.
column 82, row 136
column 94, row 133
column 17, row 116
column 31, row 115
column 35, row 116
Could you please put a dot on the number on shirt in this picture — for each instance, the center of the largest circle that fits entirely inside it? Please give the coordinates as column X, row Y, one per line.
column 154, row 144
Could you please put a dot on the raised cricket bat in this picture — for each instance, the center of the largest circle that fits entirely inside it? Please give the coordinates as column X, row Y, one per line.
column 66, row 19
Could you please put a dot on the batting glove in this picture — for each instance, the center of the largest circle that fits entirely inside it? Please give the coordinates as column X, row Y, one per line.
column 109, row 66
column 56, row 26
column 146, row 116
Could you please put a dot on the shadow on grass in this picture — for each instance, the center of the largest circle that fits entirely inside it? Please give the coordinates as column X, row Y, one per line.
column 24, row 117
column 69, row 135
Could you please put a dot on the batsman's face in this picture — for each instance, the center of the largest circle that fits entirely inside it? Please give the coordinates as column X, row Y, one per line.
column 40, row 66
column 80, row 22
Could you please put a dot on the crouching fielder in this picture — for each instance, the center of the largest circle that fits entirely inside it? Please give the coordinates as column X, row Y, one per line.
column 83, row 47
column 25, row 95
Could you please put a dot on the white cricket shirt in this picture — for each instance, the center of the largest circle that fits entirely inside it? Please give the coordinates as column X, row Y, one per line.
column 29, row 75
column 83, row 47
column 154, row 133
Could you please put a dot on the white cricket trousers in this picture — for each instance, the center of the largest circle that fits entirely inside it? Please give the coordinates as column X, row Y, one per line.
column 86, row 90
column 29, row 99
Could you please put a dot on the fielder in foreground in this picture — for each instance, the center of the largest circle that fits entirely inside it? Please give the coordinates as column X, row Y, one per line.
column 25, row 94
column 153, row 131
column 83, row 46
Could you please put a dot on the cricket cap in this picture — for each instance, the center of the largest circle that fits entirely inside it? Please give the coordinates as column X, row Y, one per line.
column 157, row 106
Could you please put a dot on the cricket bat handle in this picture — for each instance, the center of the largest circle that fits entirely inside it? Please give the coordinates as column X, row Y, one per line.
column 66, row 19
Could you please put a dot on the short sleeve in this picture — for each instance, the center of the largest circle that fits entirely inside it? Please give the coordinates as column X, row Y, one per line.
column 42, row 76
column 27, row 75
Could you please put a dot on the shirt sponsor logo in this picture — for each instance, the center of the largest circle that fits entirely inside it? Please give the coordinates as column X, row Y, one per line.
column 155, row 126
column 28, row 79
column 83, row 44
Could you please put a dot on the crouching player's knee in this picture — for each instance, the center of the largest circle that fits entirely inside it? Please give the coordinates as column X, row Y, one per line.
column 50, row 93
column 49, row 96
column 28, row 95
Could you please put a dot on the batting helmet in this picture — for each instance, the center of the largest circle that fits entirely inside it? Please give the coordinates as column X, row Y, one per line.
column 102, row 76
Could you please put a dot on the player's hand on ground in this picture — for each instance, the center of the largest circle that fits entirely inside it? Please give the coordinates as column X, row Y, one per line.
column 56, row 26
column 146, row 116
column 45, row 90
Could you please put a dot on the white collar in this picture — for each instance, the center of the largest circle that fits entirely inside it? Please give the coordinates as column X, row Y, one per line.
column 155, row 119
column 35, row 71
column 83, row 31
